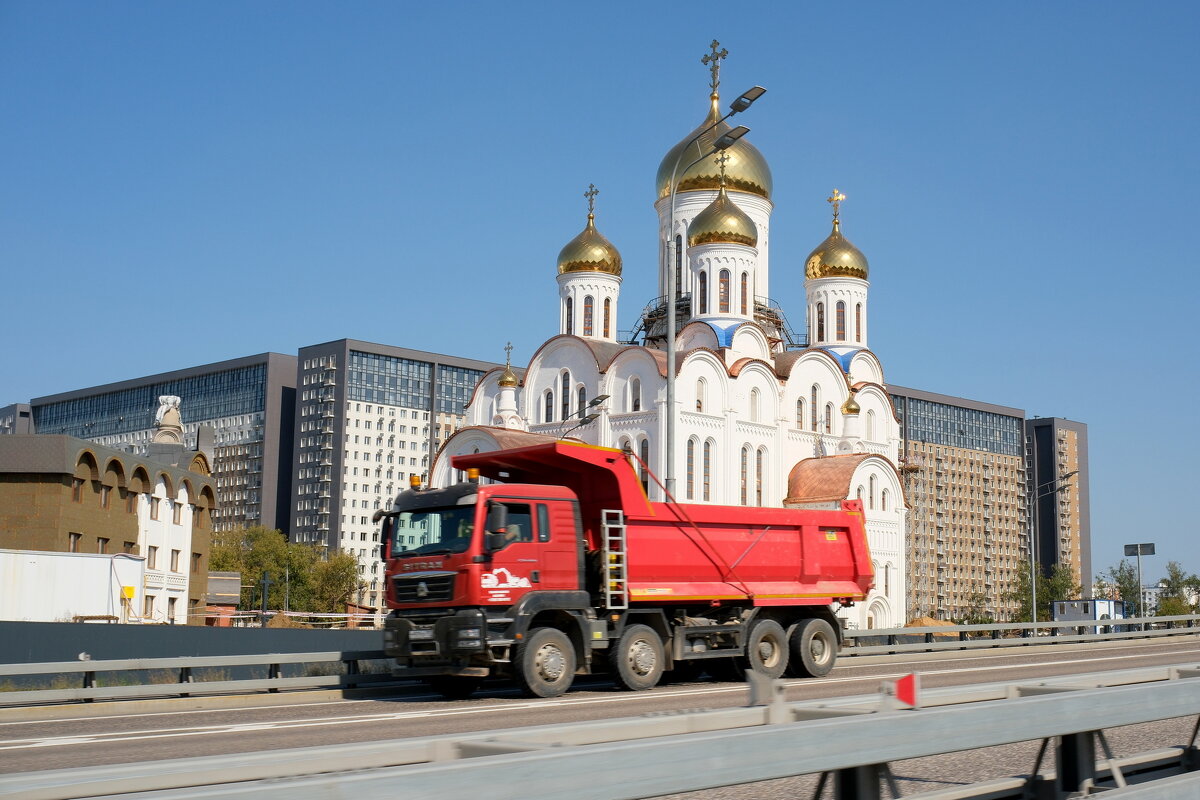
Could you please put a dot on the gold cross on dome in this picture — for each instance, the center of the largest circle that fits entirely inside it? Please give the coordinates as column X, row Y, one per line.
column 508, row 354
column 715, row 59
column 722, row 159
column 590, row 194
column 836, row 199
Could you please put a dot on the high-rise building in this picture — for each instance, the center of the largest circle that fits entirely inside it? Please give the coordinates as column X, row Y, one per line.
column 248, row 401
column 1056, row 453
column 964, row 480
column 369, row 417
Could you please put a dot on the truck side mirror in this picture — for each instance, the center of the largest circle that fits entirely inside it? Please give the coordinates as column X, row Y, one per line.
column 497, row 518
column 494, row 542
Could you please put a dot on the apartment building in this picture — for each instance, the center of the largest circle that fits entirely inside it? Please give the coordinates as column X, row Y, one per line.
column 1056, row 453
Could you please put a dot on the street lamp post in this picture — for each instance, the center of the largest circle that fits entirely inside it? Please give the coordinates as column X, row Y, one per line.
column 1139, row 550
column 1050, row 487
column 741, row 103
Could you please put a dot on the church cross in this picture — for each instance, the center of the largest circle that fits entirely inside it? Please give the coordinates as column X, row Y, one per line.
column 836, row 199
column 590, row 194
column 722, row 160
column 715, row 59
column 508, row 354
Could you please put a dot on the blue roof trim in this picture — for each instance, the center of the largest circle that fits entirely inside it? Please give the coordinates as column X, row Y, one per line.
column 844, row 355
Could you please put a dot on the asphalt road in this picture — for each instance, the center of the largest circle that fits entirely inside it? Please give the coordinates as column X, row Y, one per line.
column 176, row 729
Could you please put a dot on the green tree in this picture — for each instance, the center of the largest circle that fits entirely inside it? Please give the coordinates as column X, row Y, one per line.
column 1177, row 591
column 257, row 551
column 335, row 582
column 1059, row 585
column 977, row 613
column 1122, row 581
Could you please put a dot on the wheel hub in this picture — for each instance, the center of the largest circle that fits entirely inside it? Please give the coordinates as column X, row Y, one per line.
column 550, row 663
column 641, row 658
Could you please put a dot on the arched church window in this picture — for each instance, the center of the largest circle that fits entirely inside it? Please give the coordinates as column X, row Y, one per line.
column 883, row 500
column 841, row 321
column 820, row 322
column 754, row 403
column 829, row 417
column 588, row 310
column 859, row 494
column 548, row 406
column 858, row 322
column 816, row 403
column 635, row 394
column 760, row 471
column 691, row 469
column 800, row 413
column 607, row 317
column 870, row 427
column 645, row 465
column 745, row 477
column 871, row 492
column 581, row 395
column 701, row 393
column 707, row 470
column 570, row 326
column 678, row 265
column 702, row 290
column 565, row 394
column 723, row 292
column 745, row 293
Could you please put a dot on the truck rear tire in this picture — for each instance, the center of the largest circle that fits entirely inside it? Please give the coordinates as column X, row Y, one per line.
column 454, row 687
column 814, row 648
column 637, row 658
column 767, row 648
column 545, row 663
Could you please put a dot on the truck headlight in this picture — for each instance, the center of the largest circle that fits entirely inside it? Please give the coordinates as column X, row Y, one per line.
column 468, row 633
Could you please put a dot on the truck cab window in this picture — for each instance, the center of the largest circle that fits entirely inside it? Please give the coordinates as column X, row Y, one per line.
column 543, row 523
column 520, row 523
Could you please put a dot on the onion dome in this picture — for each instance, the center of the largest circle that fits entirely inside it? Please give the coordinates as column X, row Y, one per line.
column 589, row 251
column 836, row 256
column 508, row 378
column 851, row 405
column 747, row 170
column 722, row 221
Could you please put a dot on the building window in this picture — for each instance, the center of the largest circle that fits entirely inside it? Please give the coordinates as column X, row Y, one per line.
column 760, row 458
column 582, row 395
column 148, row 606
column 644, row 447
column 745, row 476
column 195, row 563
column 566, row 395
column 829, row 417
column 691, row 469
column 151, row 557
column 129, row 547
column 548, row 406
column 174, row 561
column 755, row 401
column 77, row 490
column 176, row 512
column 131, row 502
column 635, row 394
column 703, row 292
column 871, row 492
column 820, row 322
column 858, row 322
column 800, row 413
column 73, row 542
column 701, row 388
column 816, row 403
column 588, row 311
column 570, row 326
column 607, row 316
column 883, row 500
column 870, row 426
column 104, row 493
column 745, row 294
column 153, row 508
column 723, row 291
column 707, row 471
column 101, row 544
column 171, row 610
column 841, row 321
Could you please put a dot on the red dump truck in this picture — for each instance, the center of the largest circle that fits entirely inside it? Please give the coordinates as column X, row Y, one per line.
column 560, row 566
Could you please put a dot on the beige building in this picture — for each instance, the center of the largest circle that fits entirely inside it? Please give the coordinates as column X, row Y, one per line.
column 1056, row 453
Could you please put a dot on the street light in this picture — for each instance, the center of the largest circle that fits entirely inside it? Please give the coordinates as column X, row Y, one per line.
column 1033, row 531
column 740, row 104
column 1139, row 550
column 582, row 414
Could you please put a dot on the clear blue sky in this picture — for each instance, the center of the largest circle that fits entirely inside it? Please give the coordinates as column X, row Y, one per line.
column 182, row 183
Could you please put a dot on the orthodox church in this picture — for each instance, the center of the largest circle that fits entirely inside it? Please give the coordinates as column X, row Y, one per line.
column 762, row 416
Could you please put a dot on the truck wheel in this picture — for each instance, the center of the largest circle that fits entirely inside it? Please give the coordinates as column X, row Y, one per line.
column 637, row 658
column 814, row 648
column 767, row 648
column 454, row 687
column 545, row 663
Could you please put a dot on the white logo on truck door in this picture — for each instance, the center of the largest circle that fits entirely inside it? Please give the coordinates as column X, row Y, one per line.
column 503, row 579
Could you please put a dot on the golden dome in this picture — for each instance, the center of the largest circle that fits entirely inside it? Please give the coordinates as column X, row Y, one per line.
column 747, row 170
column 722, row 221
column 851, row 405
column 589, row 252
column 508, row 378
column 836, row 257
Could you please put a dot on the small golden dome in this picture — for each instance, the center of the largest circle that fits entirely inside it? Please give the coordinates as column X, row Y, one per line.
column 722, row 221
column 508, row 378
column 747, row 170
column 589, row 252
column 851, row 405
column 836, row 257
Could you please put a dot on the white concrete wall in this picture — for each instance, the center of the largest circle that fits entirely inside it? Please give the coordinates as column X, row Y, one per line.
column 37, row 586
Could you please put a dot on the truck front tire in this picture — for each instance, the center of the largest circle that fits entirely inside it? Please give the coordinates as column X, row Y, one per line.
column 637, row 658
column 545, row 663
column 814, row 648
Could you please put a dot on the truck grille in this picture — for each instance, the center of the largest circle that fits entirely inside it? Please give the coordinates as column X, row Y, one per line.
column 427, row 588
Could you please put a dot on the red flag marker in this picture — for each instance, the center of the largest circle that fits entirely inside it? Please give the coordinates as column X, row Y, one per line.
column 907, row 689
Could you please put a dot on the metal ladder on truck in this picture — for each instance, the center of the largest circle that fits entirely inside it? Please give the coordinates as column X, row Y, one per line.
column 616, row 588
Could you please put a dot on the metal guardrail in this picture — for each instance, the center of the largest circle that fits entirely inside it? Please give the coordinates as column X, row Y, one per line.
column 352, row 675
column 850, row 738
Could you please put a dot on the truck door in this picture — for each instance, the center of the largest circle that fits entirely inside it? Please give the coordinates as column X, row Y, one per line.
column 534, row 556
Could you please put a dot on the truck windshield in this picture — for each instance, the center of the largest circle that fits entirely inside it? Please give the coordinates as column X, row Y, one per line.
column 430, row 531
